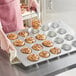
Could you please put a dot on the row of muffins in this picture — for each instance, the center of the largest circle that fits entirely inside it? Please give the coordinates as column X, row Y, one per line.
column 29, row 40
column 43, row 54
column 13, row 36
column 18, row 42
column 37, row 47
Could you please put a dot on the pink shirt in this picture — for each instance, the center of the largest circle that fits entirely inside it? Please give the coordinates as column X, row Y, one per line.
column 10, row 15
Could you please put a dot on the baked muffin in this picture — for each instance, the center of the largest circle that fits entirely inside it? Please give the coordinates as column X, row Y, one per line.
column 36, row 24
column 30, row 40
column 44, row 54
column 26, row 50
column 12, row 36
column 33, row 57
column 23, row 33
column 37, row 47
column 18, row 42
column 41, row 37
column 47, row 43
column 55, row 50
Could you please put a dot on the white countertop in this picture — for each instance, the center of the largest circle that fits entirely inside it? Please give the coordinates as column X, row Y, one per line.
column 71, row 72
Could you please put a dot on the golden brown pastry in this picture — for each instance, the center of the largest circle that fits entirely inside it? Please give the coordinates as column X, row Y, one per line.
column 47, row 43
column 12, row 36
column 23, row 33
column 30, row 40
column 18, row 42
column 41, row 37
column 26, row 50
column 33, row 57
column 36, row 24
column 44, row 54
column 37, row 47
column 55, row 50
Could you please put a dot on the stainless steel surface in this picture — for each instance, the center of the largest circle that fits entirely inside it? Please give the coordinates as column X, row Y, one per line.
column 5, row 67
column 42, row 69
column 64, row 70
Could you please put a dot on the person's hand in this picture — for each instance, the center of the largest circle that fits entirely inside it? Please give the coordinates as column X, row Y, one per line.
column 34, row 5
column 6, row 45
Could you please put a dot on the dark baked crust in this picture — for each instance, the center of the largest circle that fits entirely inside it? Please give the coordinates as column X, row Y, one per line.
column 26, row 50
column 44, row 54
column 37, row 47
column 33, row 57
column 55, row 50
column 30, row 40
column 36, row 24
column 12, row 36
column 18, row 42
column 41, row 37
column 47, row 43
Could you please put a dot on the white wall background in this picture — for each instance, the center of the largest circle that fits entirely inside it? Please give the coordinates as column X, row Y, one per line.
column 65, row 10
column 64, row 5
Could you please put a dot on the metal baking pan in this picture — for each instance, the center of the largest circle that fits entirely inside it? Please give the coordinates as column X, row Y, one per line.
column 58, row 32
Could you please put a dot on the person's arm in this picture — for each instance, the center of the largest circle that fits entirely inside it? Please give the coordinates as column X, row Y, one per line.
column 34, row 5
column 11, row 20
column 2, row 34
column 5, row 43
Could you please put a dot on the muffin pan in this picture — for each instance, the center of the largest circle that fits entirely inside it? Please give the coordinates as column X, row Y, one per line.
column 56, row 32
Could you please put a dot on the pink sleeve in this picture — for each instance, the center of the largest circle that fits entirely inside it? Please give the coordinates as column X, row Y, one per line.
column 5, row 1
column 33, row 3
column 10, row 15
